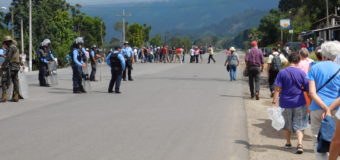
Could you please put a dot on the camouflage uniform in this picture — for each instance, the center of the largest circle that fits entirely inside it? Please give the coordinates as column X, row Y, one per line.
column 10, row 69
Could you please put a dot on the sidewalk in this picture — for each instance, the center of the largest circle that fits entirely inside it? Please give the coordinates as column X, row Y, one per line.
column 265, row 143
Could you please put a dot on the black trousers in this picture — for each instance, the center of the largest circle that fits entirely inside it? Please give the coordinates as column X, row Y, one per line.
column 93, row 72
column 128, row 68
column 271, row 80
column 211, row 57
column 43, row 73
column 116, row 78
column 254, row 79
column 77, row 77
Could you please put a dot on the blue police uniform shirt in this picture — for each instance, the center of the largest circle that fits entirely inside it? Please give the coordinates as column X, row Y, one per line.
column 127, row 51
column 92, row 53
column 50, row 56
column 75, row 56
column 2, row 51
column 120, row 57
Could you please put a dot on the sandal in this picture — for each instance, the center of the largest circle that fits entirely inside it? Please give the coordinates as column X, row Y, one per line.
column 299, row 149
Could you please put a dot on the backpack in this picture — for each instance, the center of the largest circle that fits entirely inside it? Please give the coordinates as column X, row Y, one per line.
column 114, row 61
column 276, row 64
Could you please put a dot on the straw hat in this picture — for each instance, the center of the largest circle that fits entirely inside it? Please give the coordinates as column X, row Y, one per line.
column 8, row 38
column 232, row 49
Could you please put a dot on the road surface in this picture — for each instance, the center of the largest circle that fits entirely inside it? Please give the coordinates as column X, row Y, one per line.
column 170, row 112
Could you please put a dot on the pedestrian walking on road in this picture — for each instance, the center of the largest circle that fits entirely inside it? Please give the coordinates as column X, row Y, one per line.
column 334, row 151
column 117, row 63
column 129, row 60
column 232, row 62
column 78, row 62
column 305, row 61
column 192, row 54
column 197, row 54
column 255, row 64
column 290, row 85
column 211, row 54
column 10, row 69
column 324, row 89
column 275, row 63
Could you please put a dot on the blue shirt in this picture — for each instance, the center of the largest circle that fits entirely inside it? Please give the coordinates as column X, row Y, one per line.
column 92, row 53
column 120, row 57
column 321, row 73
column 127, row 51
column 2, row 52
column 75, row 56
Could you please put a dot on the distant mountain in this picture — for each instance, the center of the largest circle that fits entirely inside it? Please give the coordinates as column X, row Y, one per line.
column 178, row 14
column 228, row 27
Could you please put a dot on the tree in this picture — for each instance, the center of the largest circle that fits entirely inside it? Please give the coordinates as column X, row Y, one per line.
column 270, row 28
column 156, row 40
column 136, row 35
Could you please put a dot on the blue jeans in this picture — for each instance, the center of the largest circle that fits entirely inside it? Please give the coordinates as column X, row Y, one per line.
column 232, row 72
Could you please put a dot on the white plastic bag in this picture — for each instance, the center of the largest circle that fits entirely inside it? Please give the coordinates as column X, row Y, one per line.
column 338, row 114
column 275, row 115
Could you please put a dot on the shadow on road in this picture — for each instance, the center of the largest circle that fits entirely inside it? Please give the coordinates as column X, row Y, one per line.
column 267, row 148
column 270, row 132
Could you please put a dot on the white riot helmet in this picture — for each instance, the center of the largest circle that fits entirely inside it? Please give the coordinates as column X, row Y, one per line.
column 79, row 40
column 46, row 42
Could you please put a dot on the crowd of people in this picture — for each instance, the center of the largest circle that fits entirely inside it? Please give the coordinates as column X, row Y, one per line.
column 308, row 91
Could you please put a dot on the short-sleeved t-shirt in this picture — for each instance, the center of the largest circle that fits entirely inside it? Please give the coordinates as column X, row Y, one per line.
column 305, row 64
column 321, row 72
column 291, row 80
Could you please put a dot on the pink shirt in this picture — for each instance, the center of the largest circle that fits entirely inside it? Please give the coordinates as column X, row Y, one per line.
column 304, row 64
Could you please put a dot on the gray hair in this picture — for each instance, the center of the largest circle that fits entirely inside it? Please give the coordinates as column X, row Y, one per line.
column 304, row 52
column 330, row 49
column 46, row 42
column 79, row 40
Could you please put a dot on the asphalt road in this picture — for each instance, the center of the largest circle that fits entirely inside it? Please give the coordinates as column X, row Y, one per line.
column 170, row 112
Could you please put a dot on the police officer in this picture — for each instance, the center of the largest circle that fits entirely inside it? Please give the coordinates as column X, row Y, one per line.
column 93, row 57
column 77, row 62
column 45, row 56
column 10, row 69
column 128, row 54
column 117, row 63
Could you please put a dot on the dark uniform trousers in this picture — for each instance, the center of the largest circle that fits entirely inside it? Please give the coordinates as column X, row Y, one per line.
column 271, row 79
column 7, row 78
column 128, row 63
column 254, row 79
column 116, row 78
column 77, row 77
column 93, row 72
column 43, row 73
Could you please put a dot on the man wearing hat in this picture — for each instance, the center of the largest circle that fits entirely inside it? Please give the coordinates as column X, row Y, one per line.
column 129, row 60
column 77, row 62
column 10, row 69
column 255, row 64
column 45, row 56
column 117, row 63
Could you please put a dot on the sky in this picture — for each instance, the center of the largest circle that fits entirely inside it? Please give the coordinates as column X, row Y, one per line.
column 4, row 3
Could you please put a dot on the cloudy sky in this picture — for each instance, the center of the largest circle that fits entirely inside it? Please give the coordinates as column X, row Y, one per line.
column 89, row 2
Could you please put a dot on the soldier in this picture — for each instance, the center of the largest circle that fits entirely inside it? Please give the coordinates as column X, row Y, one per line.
column 117, row 63
column 10, row 69
column 129, row 60
column 45, row 56
column 77, row 62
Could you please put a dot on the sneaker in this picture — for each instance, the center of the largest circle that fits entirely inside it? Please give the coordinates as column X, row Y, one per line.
column 299, row 149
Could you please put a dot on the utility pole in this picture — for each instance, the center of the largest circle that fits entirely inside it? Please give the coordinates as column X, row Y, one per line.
column 123, row 18
column 30, row 36
column 12, row 20
column 22, row 35
column 328, row 25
